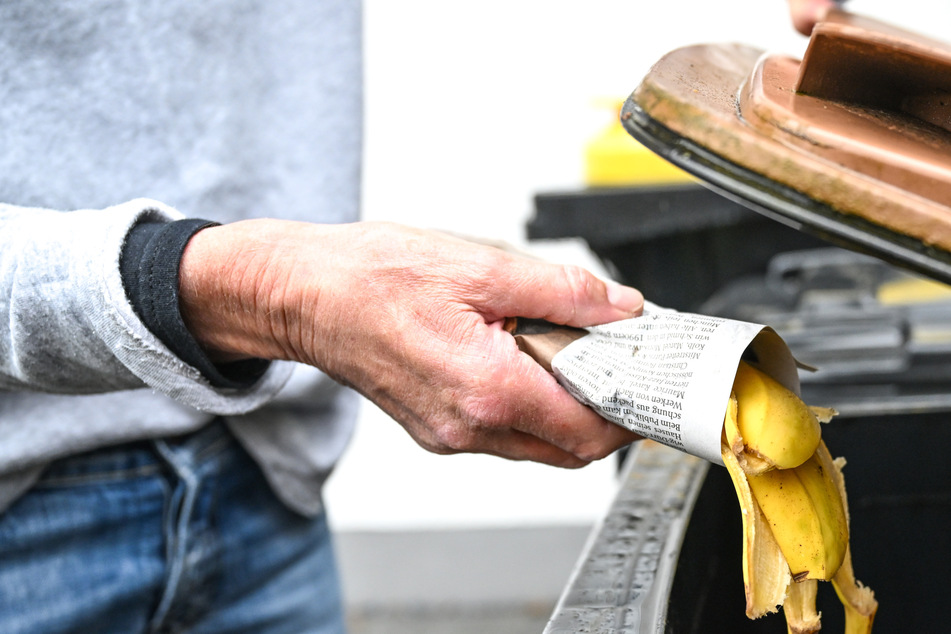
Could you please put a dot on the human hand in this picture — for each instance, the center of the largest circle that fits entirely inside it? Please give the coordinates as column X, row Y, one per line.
column 805, row 13
column 412, row 320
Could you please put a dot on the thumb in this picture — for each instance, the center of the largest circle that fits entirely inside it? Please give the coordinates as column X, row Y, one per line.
column 563, row 294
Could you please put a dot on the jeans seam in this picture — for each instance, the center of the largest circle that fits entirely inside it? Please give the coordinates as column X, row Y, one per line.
column 178, row 514
column 121, row 474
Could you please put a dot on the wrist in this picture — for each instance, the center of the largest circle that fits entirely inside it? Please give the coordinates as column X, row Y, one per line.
column 223, row 290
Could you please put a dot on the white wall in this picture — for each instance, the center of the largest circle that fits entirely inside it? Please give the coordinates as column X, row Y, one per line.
column 471, row 109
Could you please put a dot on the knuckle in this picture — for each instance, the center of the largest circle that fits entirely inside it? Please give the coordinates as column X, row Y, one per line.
column 489, row 263
column 573, row 462
column 479, row 416
column 592, row 451
column 453, row 438
column 484, row 411
column 578, row 285
column 442, row 450
column 576, row 277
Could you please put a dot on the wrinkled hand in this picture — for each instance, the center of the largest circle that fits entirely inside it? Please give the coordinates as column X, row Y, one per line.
column 805, row 13
column 412, row 320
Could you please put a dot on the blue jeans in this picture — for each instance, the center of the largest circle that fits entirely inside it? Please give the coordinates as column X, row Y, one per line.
column 162, row 537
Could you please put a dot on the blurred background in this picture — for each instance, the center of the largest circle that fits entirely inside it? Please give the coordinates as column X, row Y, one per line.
column 471, row 110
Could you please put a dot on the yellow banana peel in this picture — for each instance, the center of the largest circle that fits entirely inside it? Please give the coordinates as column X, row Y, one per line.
column 800, row 608
column 765, row 444
column 804, row 510
column 795, row 518
column 858, row 599
column 765, row 571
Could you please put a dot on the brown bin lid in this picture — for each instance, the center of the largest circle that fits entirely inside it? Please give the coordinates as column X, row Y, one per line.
column 853, row 142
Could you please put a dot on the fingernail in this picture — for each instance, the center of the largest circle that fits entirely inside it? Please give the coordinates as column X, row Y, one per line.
column 625, row 298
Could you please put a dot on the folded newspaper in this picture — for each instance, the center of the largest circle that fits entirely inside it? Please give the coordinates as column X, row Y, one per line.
column 665, row 375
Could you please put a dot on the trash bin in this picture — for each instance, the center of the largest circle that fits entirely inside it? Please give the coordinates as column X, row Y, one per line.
column 832, row 145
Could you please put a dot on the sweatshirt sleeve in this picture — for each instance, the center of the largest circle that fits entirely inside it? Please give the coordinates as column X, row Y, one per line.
column 66, row 323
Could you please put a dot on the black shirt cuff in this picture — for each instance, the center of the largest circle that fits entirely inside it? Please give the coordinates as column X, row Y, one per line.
column 149, row 265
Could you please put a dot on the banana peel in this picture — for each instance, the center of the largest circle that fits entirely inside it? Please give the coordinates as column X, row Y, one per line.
column 805, row 512
column 858, row 599
column 802, row 536
column 760, row 444
column 765, row 571
column 800, row 608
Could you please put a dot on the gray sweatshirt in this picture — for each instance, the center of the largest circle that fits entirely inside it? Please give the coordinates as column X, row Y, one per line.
column 114, row 111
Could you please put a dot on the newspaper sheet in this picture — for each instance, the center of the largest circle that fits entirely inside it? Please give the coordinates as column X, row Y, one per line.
column 667, row 375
